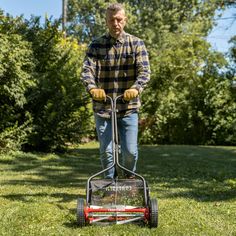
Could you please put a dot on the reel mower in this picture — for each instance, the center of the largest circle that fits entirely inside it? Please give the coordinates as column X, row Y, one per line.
column 118, row 200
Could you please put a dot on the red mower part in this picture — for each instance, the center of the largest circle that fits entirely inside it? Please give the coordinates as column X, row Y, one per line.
column 118, row 215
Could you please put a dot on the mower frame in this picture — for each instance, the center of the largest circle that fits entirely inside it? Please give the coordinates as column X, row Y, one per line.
column 89, row 214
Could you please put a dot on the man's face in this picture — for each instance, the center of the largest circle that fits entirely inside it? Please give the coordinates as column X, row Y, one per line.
column 116, row 22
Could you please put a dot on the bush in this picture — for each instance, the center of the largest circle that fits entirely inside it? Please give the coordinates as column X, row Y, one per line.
column 59, row 103
column 15, row 79
column 43, row 104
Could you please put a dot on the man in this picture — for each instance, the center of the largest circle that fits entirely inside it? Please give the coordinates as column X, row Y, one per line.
column 116, row 63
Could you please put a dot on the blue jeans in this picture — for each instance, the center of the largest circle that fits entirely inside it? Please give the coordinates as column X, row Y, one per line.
column 128, row 137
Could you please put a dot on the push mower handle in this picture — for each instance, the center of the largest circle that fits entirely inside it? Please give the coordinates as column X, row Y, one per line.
column 113, row 101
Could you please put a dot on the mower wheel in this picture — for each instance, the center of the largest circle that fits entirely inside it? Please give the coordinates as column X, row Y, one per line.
column 80, row 212
column 153, row 213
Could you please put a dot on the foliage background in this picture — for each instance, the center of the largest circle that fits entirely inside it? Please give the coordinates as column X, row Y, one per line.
column 43, row 104
column 189, row 100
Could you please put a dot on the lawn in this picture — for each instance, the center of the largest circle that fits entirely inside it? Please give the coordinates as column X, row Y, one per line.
column 195, row 187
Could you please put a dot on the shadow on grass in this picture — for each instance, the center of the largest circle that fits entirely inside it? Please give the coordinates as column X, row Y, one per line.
column 56, row 173
column 196, row 172
column 59, row 197
column 202, row 173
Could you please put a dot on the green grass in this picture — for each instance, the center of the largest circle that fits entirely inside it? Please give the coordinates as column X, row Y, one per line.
column 195, row 187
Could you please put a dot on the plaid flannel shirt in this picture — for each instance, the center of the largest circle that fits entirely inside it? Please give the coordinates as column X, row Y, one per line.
column 116, row 65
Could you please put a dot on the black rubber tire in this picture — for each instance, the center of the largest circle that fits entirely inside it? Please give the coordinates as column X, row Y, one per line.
column 148, row 194
column 153, row 214
column 80, row 212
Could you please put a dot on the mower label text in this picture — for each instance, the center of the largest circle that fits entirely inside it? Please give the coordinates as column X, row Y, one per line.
column 119, row 188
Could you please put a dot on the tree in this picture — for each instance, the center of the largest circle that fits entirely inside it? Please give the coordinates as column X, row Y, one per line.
column 146, row 19
column 43, row 103
column 58, row 102
column 233, row 49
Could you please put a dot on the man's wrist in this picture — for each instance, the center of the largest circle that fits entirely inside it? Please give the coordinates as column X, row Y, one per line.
column 90, row 87
column 138, row 88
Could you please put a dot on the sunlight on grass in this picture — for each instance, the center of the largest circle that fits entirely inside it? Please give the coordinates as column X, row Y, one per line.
column 195, row 187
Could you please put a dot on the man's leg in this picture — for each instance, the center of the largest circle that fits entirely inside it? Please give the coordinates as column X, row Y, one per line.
column 104, row 132
column 128, row 132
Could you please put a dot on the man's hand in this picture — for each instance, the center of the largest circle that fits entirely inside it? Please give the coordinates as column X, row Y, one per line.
column 130, row 94
column 98, row 94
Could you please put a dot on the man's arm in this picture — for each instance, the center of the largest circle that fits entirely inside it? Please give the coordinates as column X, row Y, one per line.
column 88, row 74
column 142, row 67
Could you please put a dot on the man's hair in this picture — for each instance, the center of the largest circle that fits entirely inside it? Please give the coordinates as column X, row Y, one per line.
column 115, row 7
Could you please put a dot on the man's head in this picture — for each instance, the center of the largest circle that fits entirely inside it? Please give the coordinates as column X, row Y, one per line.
column 115, row 19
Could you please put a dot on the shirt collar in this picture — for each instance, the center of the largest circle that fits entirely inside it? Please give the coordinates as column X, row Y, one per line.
column 120, row 39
